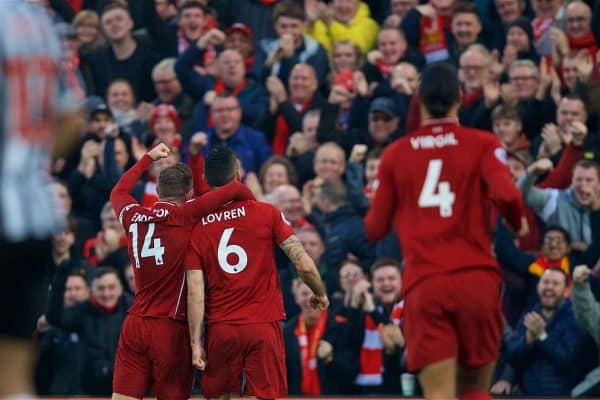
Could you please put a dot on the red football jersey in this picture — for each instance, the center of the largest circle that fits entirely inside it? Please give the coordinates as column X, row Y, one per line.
column 437, row 187
column 158, row 238
column 234, row 247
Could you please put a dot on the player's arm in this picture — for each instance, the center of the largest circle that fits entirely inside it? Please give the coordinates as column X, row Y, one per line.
column 307, row 270
column 121, row 196
column 195, row 301
column 502, row 190
column 213, row 200
column 379, row 218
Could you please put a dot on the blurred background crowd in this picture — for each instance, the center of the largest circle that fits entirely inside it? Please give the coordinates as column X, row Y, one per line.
column 308, row 94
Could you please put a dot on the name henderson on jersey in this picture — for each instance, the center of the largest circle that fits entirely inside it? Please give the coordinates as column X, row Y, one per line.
column 224, row 215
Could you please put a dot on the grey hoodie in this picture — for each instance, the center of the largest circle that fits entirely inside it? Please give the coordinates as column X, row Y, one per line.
column 558, row 207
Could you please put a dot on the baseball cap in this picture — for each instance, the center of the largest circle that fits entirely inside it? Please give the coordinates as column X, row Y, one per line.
column 65, row 30
column 100, row 108
column 239, row 27
column 384, row 105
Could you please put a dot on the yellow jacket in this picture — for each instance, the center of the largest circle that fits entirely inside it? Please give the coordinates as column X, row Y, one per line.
column 362, row 30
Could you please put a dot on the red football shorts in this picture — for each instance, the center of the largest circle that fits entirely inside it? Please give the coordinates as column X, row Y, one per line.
column 253, row 351
column 456, row 315
column 154, row 353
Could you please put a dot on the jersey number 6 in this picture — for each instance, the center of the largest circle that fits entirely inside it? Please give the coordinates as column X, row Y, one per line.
column 444, row 198
column 225, row 249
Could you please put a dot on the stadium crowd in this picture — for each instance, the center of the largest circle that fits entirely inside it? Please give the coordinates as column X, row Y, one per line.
column 308, row 94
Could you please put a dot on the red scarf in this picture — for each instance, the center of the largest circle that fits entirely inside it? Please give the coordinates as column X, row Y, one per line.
column 102, row 309
column 384, row 69
column 267, row 2
column 282, row 131
column 587, row 42
column 221, row 88
column 76, row 5
column 371, row 351
column 540, row 25
column 470, row 98
column 308, row 341
column 432, row 39
column 249, row 61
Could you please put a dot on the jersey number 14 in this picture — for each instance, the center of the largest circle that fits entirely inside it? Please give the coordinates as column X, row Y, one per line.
column 150, row 248
column 444, row 198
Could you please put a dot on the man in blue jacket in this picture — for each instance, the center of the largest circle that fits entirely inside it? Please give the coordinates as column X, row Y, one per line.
column 548, row 345
column 249, row 145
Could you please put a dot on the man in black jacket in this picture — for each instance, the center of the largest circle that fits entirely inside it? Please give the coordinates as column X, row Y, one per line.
column 96, row 321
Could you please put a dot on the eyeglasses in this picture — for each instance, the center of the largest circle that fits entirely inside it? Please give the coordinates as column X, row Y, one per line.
column 382, row 117
column 555, row 240
column 350, row 274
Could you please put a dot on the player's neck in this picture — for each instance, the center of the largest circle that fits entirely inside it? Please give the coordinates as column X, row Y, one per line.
column 450, row 117
column 175, row 200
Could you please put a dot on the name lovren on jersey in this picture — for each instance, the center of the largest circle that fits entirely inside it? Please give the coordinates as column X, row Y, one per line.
column 431, row 141
column 224, row 215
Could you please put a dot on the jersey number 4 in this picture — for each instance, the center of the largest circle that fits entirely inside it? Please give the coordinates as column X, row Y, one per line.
column 444, row 198
column 157, row 250
column 225, row 249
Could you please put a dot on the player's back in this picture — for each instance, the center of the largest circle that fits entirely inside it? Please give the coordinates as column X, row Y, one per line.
column 443, row 197
column 157, row 242
column 235, row 248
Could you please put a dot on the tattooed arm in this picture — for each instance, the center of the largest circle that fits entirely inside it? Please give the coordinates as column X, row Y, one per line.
column 307, row 270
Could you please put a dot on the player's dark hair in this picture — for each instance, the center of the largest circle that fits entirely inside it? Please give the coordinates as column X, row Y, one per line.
column 220, row 166
column 563, row 231
column 175, row 182
column 288, row 8
column 386, row 262
column 439, row 89
column 335, row 191
column 101, row 271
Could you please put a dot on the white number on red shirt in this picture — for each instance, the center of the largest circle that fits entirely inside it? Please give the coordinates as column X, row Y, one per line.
column 150, row 247
column 225, row 249
column 444, row 198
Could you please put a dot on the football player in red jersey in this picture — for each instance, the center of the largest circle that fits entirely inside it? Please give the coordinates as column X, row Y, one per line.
column 437, row 187
column 152, row 350
column 233, row 249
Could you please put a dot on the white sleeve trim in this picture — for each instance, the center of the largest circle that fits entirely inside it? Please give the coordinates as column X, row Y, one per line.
column 124, row 209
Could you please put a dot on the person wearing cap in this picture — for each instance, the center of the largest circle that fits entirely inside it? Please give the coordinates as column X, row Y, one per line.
column 239, row 37
column 519, row 35
column 230, row 78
